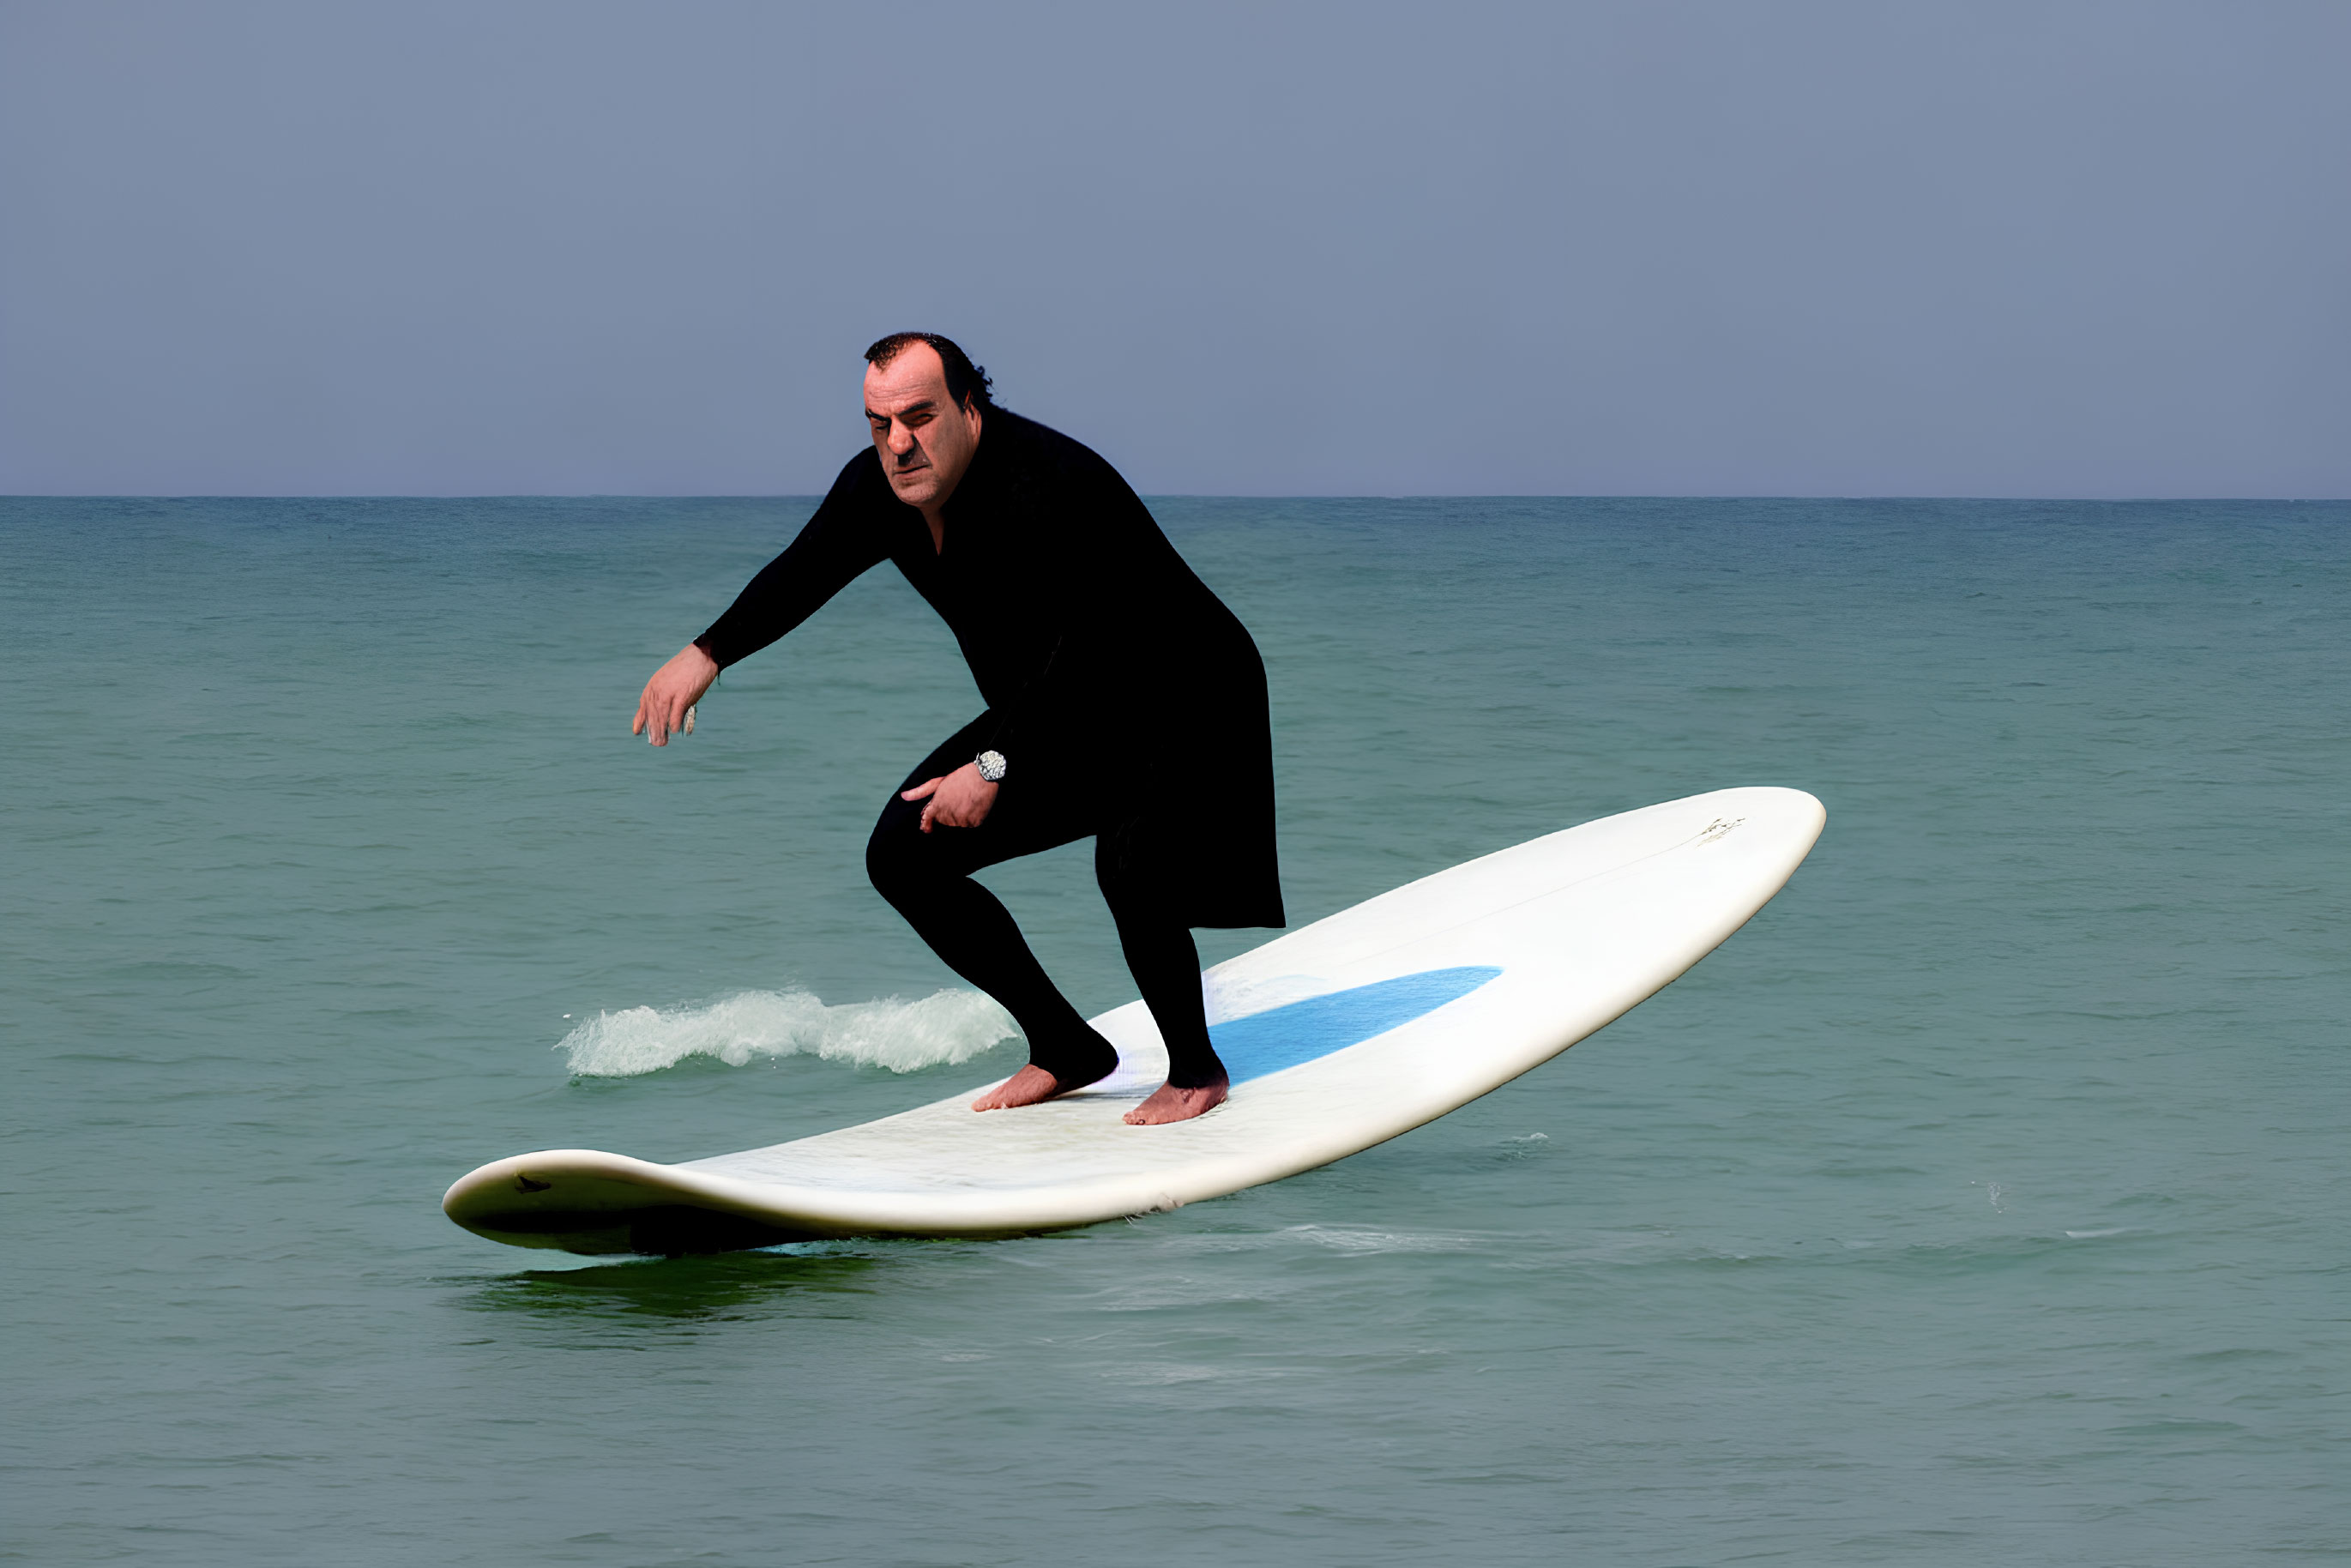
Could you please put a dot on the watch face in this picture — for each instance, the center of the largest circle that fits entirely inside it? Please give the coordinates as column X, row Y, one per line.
column 991, row 766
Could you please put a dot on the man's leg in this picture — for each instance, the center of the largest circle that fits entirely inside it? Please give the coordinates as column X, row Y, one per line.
column 926, row 877
column 1166, row 964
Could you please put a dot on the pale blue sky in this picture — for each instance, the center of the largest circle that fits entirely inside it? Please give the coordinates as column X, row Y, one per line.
column 1981, row 249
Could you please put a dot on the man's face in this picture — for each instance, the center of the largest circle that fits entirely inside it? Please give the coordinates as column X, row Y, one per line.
column 925, row 441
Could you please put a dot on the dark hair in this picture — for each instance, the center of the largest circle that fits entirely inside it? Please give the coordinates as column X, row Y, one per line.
column 966, row 382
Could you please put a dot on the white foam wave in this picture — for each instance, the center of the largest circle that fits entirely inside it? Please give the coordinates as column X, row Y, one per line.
column 903, row 1036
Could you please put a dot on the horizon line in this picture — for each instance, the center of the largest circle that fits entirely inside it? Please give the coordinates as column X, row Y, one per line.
column 1158, row 495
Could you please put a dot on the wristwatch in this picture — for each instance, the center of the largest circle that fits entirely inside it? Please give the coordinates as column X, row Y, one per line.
column 991, row 766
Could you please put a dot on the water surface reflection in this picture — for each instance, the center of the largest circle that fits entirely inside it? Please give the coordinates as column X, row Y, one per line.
column 715, row 1287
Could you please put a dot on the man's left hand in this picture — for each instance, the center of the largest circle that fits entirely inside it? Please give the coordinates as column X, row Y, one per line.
column 961, row 799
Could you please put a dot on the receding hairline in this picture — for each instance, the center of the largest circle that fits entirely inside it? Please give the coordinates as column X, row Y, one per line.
column 967, row 384
column 890, row 351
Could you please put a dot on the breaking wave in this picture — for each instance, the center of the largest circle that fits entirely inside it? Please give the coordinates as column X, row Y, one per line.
column 939, row 1030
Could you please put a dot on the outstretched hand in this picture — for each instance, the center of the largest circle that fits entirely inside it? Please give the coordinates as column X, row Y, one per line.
column 675, row 688
column 960, row 800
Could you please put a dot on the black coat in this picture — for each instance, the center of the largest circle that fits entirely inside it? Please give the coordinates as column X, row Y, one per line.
column 1105, row 663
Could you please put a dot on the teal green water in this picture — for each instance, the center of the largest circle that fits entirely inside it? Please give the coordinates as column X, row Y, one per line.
column 1982, row 1201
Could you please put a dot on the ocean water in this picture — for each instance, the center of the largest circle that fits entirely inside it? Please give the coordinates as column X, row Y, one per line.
column 1982, row 1201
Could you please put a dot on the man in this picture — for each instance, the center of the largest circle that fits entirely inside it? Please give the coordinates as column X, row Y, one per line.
column 1124, row 702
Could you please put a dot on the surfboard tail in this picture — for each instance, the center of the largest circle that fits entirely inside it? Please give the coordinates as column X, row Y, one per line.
column 588, row 1201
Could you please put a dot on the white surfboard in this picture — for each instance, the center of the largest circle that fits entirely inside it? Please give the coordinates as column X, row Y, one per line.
column 1338, row 1036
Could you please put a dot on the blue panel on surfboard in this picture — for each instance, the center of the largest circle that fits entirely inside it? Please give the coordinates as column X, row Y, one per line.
column 1283, row 1037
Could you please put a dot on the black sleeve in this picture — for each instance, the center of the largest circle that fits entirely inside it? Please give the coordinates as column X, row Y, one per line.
column 840, row 541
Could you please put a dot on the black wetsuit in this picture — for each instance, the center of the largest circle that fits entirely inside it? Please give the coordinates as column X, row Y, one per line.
column 1129, row 702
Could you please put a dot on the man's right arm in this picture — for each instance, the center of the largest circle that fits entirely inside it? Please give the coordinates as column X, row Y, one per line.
column 838, row 542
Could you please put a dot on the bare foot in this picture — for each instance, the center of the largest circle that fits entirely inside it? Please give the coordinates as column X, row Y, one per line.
column 1169, row 1103
column 1030, row 1085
